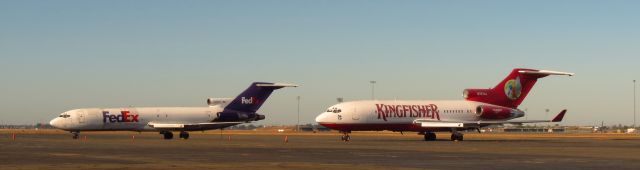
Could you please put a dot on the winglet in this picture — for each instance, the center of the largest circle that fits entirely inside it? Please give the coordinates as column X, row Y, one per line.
column 559, row 117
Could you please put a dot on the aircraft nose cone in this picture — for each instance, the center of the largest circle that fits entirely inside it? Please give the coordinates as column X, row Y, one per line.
column 55, row 123
column 321, row 117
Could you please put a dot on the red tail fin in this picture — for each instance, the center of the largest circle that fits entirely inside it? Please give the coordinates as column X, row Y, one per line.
column 511, row 91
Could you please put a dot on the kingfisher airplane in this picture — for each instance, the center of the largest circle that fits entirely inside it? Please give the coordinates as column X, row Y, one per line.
column 221, row 113
column 480, row 108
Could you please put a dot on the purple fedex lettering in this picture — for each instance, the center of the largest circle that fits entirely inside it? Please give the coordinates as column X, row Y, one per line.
column 249, row 100
column 124, row 116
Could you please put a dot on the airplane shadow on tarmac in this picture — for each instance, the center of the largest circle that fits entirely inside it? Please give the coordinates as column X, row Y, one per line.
column 466, row 140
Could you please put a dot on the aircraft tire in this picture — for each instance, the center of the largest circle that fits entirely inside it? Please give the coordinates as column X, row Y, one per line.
column 168, row 135
column 76, row 135
column 184, row 135
column 457, row 137
column 429, row 136
column 346, row 138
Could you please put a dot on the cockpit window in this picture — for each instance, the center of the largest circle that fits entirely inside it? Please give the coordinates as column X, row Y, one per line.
column 64, row 115
column 334, row 110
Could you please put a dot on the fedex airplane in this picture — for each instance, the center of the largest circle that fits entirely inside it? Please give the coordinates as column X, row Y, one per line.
column 221, row 113
column 480, row 108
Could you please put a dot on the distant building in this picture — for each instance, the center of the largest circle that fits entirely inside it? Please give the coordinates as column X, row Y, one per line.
column 535, row 130
column 314, row 128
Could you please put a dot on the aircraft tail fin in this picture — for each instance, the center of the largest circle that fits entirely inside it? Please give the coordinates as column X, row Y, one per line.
column 254, row 96
column 511, row 91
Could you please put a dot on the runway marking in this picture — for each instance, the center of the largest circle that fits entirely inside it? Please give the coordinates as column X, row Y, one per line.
column 449, row 156
column 64, row 154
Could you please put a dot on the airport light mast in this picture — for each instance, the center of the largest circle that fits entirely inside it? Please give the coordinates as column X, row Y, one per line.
column 634, row 104
column 373, row 85
column 546, row 114
column 298, row 123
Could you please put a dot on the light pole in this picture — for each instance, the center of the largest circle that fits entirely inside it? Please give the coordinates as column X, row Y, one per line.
column 373, row 86
column 298, row 123
column 634, row 104
column 546, row 114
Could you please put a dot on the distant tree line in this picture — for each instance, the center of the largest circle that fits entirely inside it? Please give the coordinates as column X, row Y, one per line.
column 39, row 126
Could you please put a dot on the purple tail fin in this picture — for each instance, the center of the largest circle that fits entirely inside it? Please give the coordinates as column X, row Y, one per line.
column 253, row 97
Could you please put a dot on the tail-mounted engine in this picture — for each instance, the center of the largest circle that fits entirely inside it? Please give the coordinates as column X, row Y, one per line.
column 497, row 112
column 218, row 101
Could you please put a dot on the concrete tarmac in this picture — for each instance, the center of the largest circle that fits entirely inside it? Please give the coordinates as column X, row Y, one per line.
column 268, row 150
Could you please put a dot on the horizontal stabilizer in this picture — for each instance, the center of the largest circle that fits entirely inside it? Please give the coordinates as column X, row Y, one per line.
column 279, row 85
column 544, row 72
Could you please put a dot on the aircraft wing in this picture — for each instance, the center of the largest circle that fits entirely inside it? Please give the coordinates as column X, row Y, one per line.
column 192, row 126
column 481, row 123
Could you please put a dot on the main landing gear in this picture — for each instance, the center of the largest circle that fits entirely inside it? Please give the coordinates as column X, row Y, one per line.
column 345, row 137
column 184, row 135
column 169, row 135
column 457, row 136
column 429, row 136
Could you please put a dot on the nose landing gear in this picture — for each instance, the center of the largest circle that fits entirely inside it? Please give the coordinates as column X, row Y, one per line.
column 76, row 134
column 345, row 137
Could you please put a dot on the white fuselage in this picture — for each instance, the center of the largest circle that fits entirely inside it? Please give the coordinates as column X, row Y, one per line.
column 132, row 119
column 398, row 115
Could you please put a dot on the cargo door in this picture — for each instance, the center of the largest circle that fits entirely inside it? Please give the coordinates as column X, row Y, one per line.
column 354, row 114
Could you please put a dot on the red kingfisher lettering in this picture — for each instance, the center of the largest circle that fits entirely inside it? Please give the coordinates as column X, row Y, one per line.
column 401, row 111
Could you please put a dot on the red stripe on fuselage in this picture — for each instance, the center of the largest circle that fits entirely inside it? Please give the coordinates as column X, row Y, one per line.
column 380, row 127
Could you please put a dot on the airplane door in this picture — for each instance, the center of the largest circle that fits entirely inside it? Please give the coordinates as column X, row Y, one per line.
column 210, row 116
column 81, row 116
column 355, row 115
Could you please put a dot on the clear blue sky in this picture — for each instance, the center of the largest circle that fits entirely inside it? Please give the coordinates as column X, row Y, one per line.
column 60, row 55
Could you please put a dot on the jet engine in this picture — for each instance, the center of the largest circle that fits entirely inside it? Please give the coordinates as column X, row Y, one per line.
column 218, row 101
column 497, row 112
